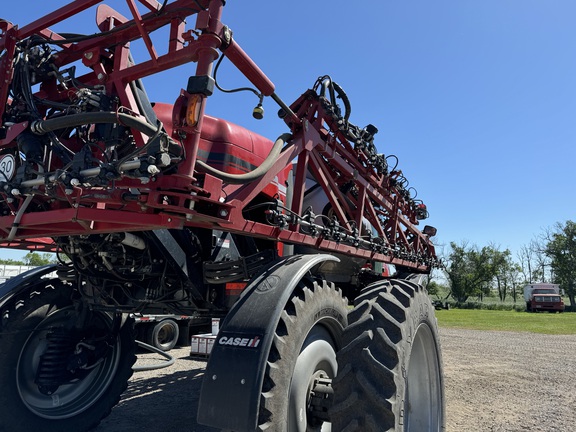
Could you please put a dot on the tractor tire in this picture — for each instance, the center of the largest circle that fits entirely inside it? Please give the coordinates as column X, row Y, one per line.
column 30, row 326
column 390, row 368
column 164, row 335
column 302, row 360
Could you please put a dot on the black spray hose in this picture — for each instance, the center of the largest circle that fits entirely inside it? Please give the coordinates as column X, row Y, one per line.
column 252, row 175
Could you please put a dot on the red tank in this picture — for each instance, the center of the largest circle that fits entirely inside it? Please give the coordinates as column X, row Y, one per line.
column 231, row 148
column 224, row 145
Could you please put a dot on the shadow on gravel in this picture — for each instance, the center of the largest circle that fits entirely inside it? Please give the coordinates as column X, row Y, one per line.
column 166, row 402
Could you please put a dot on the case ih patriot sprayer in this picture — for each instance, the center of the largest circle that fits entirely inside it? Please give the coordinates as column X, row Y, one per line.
column 161, row 208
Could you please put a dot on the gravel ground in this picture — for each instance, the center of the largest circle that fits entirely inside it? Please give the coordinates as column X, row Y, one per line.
column 495, row 381
column 508, row 382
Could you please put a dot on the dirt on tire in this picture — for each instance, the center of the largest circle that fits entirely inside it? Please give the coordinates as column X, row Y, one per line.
column 494, row 381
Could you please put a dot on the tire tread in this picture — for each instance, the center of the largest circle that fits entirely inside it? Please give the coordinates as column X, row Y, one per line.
column 371, row 372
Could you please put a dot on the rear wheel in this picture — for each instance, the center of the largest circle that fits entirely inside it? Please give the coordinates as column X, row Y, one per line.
column 302, row 360
column 164, row 335
column 56, row 376
column 390, row 368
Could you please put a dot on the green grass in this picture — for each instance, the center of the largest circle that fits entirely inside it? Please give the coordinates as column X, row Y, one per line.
column 547, row 323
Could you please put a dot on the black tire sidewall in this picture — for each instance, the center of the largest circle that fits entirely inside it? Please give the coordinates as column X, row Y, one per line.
column 420, row 313
column 21, row 317
column 154, row 333
column 370, row 389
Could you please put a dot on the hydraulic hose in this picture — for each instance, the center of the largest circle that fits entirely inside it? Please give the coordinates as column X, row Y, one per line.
column 342, row 95
column 18, row 217
column 169, row 359
column 334, row 89
column 254, row 174
column 41, row 127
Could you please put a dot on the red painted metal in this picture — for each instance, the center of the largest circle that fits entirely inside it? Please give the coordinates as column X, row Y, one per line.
column 245, row 64
column 184, row 194
column 8, row 43
column 58, row 15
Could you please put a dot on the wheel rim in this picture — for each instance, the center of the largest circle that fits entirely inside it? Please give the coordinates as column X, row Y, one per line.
column 166, row 335
column 316, row 359
column 423, row 403
column 69, row 399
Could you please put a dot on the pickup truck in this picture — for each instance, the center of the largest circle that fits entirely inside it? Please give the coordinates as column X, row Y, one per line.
column 543, row 297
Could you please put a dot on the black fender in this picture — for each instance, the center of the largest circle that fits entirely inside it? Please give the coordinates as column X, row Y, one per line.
column 18, row 284
column 230, row 395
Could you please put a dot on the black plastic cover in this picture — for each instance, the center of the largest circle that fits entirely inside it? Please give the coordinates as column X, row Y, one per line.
column 202, row 84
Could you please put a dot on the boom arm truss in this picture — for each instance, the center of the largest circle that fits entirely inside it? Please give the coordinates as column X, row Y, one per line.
column 145, row 175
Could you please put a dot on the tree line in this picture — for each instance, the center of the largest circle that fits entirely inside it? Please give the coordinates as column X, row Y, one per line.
column 31, row 259
column 474, row 272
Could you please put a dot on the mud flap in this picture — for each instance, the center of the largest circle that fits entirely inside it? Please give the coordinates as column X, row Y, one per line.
column 230, row 395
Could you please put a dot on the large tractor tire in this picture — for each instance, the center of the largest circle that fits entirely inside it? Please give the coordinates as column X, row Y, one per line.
column 390, row 368
column 56, row 377
column 302, row 360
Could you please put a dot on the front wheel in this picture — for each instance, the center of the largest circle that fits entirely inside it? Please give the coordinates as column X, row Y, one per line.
column 58, row 376
column 302, row 361
column 390, row 368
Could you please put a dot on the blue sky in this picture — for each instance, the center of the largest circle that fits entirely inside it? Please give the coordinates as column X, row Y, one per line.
column 476, row 98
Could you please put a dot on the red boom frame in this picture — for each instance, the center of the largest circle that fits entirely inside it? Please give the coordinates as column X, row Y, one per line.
column 357, row 191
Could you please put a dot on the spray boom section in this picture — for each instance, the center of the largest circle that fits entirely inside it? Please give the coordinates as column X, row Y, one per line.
column 83, row 150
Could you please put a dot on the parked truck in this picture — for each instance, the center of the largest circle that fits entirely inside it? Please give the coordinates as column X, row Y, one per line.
column 543, row 297
column 151, row 205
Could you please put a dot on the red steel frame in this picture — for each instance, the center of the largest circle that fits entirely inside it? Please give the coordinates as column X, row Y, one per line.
column 191, row 197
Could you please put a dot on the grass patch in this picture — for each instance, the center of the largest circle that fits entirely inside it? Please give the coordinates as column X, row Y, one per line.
column 546, row 323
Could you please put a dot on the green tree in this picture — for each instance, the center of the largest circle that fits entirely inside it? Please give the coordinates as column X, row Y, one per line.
column 11, row 262
column 526, row 257
column 507, row 274
column 561, row 249
column 36, row 259
column 472, row 270
column 430, row 283
column 434, row 288
column 515, row 280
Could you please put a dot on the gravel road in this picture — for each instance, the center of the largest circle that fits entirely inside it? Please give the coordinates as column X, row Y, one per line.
column 495, row 381
column 509, row 382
